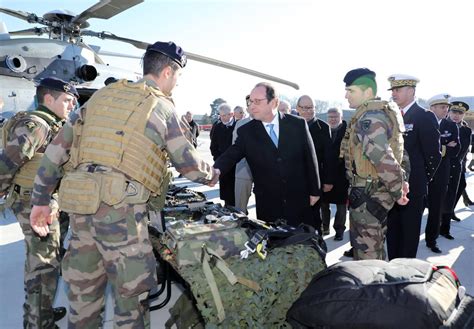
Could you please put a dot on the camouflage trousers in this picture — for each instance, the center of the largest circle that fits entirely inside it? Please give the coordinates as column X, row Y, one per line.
column 41, row 269
column 111, row 246
column 367, row 234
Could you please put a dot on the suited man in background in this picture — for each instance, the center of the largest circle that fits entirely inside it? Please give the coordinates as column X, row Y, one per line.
column 221, row 139
column 338, row 194
column 321, row 136
column 243, row 176
column 281, row 157
column 421, row 139
column 438, row 187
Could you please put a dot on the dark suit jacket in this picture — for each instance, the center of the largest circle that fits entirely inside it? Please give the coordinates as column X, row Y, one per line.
column 284, row 177
column 422, row 144
column 338, row 194
column 221, row 140
column 321, row 135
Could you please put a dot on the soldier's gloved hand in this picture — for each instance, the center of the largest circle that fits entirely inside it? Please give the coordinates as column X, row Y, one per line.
column 40, row 219
column 471, row 165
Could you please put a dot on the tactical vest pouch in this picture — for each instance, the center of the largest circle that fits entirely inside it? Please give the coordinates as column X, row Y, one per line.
column 185, row 241
column 79, row 193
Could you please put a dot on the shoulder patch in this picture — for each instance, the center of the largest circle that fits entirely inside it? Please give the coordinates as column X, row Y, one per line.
column 31, row 125
column 365, row 124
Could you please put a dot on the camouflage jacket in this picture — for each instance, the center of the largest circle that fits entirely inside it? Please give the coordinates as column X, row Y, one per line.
column 164, row 128
column 373, row 130
column 28, row 136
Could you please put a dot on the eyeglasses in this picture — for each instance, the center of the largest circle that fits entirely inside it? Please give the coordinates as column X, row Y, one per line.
column 255, row 101
column 306, row 108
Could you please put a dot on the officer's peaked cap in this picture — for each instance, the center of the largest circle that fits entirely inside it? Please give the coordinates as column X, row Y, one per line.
column 171, row 50
column 402, row 80
column 440, row 99
column 459, row 106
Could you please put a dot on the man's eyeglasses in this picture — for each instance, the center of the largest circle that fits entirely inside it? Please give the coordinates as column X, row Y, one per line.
column 255, row 101
column 306, row 108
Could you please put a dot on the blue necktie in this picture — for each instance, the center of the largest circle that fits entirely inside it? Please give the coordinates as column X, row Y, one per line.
column 273, row 135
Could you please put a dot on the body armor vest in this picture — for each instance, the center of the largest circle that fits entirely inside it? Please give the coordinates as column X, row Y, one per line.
column 357, row 165
column 112, row 133
column 25, row 176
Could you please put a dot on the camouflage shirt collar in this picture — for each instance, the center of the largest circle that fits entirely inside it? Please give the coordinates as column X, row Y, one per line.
column 42, row 108
column 149, row 82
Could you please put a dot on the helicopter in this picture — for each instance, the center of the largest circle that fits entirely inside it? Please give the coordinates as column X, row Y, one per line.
column 64, row 54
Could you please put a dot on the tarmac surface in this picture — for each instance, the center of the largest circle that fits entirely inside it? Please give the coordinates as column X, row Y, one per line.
column 457, row 253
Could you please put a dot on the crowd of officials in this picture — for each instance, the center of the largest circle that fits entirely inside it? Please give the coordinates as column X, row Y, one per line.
column 398, row 160
column 385, row 166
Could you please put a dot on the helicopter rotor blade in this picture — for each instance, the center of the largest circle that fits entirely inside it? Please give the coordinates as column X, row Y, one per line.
column 17, row 13
column 233, row 67
column 114, row 54
column 32, row 31
column 195, row 57
column 110, row 36
column 105, row 9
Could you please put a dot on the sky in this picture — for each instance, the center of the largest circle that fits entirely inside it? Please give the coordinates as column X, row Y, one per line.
column 312, row 43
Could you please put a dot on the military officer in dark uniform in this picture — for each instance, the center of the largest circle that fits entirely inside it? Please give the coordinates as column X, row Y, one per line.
column 437, row 188
column 456, row 114
column 423, row 148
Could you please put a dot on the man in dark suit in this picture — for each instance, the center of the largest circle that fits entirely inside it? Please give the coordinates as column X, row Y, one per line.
column 281, row 157
column 438, row 187
column 421, row 139
column 321, row 136
column 221, row 139
column 458, row 166
column 338, row 194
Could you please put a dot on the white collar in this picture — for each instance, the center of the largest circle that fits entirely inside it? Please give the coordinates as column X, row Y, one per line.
column 406, row 108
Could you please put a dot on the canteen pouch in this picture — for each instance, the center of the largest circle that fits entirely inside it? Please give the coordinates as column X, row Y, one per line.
column 185, row 241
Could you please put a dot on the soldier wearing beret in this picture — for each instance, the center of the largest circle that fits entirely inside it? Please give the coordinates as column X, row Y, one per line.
column 438, row 187
column 421, row 140
column 457, row 170
column 373, row 151
column 27, row 135
column 117, row 147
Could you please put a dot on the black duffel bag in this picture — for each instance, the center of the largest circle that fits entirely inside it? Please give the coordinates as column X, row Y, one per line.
column 403, row 293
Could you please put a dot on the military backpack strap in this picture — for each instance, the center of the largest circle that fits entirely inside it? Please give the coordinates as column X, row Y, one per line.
column 208, row 256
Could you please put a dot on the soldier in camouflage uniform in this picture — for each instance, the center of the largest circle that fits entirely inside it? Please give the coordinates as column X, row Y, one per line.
column 372, row 149
column 117, row 146
column 25, row 137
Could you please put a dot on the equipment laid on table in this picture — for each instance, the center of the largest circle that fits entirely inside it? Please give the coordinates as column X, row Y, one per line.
column 402, row 293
